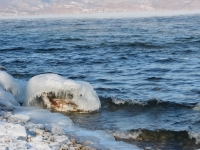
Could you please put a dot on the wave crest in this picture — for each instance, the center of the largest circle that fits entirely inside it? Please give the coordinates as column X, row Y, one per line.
column 149, row 103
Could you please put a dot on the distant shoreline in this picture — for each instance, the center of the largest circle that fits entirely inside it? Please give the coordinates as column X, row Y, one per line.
column 107, row 15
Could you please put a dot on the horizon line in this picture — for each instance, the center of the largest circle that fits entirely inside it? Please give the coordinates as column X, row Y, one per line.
column 108, row 15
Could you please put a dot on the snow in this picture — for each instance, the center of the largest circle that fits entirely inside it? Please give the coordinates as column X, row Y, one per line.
column 12, row 131
column 37, row 139
column 42, row 116
column 61, row 139
column 57, row 130
column 15, row 87
column 31, row 125
column 77, row 95
column 17, row 131
column 39, row 146
column 14, row 145
column 19, row 117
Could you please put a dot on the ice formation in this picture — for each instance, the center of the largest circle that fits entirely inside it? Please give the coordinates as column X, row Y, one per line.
column 58, row 122
column 15, row 87
column 5, row 105
column 6, row 96
column 54, row 92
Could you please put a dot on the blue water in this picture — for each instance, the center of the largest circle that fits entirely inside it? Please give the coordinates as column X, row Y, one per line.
column 152, row 64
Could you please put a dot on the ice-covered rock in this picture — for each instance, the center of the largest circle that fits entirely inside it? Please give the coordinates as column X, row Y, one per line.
column 6, row 105
column 31, row 125
column 17, row 131
column 57, row 130
column 15, row 87
column 55, row 145
column 39, row 132
column 12, row 131
column 19, row 117
column 54, row 92
column 6, row 96
column 18, row 145
column 39, row 146
column 61, row 139
column 38, row 138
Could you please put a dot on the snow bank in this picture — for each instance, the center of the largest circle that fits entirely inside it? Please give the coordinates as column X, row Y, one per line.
column 15, row 87
column 54, row 91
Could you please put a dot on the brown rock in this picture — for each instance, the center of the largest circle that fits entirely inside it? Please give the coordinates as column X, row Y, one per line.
column 73, row 141
column 79, row 146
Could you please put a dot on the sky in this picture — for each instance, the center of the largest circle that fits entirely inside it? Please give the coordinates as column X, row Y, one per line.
column 63, row 7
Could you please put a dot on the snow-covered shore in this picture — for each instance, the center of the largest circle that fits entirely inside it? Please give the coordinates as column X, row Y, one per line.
column 39, row 129
column 18, row 132
column 26, row 127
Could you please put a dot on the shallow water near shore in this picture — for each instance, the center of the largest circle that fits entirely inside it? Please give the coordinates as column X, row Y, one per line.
column 145, row 71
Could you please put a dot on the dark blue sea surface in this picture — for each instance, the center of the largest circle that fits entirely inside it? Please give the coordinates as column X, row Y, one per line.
column 146, row 71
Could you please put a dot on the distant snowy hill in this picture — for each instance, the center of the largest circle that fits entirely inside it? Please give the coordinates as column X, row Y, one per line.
column 34, row 7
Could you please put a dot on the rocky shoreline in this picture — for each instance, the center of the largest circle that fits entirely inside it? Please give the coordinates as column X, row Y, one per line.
column 18, row 132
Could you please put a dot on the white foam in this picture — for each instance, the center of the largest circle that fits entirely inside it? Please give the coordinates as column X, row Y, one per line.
column 196, row 136
column 197, row 107
column 83, row 94
column 100, row 139
column 126, row 135
column 118, row 101
column 15, row 87
column 122, row 102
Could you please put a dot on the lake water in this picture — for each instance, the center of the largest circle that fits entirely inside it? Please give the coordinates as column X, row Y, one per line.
column 146, row 71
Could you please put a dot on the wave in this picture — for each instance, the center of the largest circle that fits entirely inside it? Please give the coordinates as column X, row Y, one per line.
column 145, row 45
column 161, row 138
column 12, row 49
column 111, row 101
column 67, row 39
column 50, row 49
column 165, row 60
column 154, row 78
